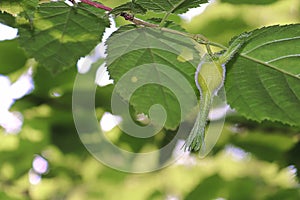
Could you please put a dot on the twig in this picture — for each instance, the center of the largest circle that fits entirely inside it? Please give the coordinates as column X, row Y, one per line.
column 126, row 16
column 198, row 38
column 97, row 5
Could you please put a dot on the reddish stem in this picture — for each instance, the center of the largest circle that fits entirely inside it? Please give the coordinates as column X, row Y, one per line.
column 125, row 15
column 97, row 5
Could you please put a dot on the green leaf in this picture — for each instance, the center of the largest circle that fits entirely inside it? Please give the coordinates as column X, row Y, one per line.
column 235, row 45
column 29, row 7
column 285, row 194
column 17, row 6
column 265, row 146
column 153, row 49
column 170, row 6
column 131, row 7
column 7, row 19
column 209, row 188
column 12, row 57
column 243, row 188
column 48, row 86
column 150, row 15
column 11, row 7
column 62, row 34
column 168, row 24
column 249, row 1
column 263, row 81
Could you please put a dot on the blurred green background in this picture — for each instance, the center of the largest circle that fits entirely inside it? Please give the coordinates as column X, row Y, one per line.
column 46, row 160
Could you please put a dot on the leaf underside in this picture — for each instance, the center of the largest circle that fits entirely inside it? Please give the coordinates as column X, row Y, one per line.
column 263, row 81
column 133, row 48
column 27, row 7
column 170, row 6
column 62, row 34
column 130, row 7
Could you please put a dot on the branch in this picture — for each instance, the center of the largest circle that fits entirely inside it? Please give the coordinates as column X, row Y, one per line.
column 97, row 5
column 126, row 16
column 198, row 38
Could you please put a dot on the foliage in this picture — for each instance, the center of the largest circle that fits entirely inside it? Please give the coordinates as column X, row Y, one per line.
column 258, row 150
column 266, row 72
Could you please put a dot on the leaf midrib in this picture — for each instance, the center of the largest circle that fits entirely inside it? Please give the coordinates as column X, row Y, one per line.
column 175, row 6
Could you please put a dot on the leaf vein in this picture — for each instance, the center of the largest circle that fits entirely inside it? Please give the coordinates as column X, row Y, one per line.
column 271, row 42
column 283, row 57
